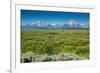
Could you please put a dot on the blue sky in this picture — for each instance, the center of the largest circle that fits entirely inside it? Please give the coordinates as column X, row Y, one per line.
column 54, row 17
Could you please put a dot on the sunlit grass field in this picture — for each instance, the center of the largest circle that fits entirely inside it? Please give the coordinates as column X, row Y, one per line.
column 45, row 45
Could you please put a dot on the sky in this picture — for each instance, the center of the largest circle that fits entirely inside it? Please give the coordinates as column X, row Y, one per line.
column 53, row 17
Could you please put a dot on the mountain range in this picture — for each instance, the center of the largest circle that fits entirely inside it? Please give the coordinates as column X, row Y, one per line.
column 44, row 25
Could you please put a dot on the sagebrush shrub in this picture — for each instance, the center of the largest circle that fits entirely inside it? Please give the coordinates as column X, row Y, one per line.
column 27, row 57
column 30, row 57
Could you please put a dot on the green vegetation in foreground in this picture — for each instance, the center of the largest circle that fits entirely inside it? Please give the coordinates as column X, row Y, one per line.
column 43, row 45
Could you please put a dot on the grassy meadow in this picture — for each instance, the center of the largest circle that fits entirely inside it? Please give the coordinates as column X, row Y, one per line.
column 44, row 45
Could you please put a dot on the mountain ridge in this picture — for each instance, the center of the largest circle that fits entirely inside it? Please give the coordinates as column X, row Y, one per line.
column 44, row 25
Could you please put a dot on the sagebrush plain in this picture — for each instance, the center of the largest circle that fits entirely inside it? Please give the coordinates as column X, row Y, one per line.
column 46, row 45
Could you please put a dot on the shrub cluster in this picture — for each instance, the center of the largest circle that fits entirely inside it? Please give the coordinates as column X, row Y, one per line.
column 31, row 57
